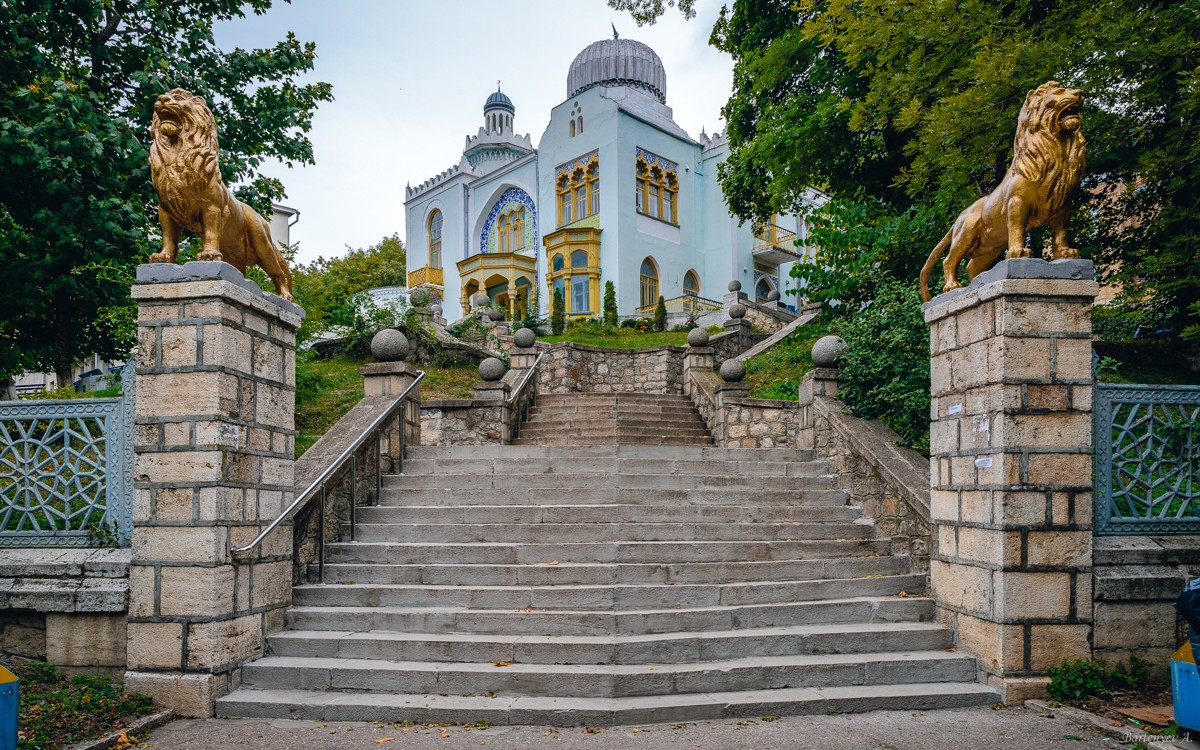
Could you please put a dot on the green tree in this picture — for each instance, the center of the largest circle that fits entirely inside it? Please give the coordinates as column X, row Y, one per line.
column 660, row 314
column 325, row 287
column 78, row 81
column 558, row 314
column 909, row 108
column 610, row 304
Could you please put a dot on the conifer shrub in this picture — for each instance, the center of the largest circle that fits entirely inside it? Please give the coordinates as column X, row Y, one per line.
column 558, row 315
column 660, row 314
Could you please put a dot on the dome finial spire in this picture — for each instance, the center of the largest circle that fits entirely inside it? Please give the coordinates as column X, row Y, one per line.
column 615, row 34
column 497, row 84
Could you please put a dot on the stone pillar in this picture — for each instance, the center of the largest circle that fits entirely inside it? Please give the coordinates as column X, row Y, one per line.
column 1011, row 468
column 522, row 359
column 819, row 381
column 391, row 379
column 699, row 358
column 214, row 443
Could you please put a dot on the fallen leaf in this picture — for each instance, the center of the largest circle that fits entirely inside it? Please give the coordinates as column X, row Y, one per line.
column 903, row 595
column 383, row 740
column 445, row 733
column 502, row 663
column 593, row 730
column 552, row 563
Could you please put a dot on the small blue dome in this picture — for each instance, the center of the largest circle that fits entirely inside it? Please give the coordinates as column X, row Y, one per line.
column 499, row 101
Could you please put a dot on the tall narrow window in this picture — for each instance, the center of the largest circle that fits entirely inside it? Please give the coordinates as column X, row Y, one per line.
column 502, row 229
column 691, row 284
column 593, row 180
column 435, row 239
column 564, row 203
column 649, row 283
column 578, row 189
column 580, row 121
column 572, row 128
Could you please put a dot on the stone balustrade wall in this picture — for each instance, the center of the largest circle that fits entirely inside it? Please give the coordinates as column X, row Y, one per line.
column 570, row 368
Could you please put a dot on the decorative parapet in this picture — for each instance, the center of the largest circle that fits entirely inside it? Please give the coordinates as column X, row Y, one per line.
column 463, row 167
column 426, row 276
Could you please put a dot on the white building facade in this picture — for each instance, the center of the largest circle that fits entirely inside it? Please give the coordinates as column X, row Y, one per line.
column 615, row 191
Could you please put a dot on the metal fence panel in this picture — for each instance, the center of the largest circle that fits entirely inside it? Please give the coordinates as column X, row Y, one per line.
column 1147, row 459
column 66, row 470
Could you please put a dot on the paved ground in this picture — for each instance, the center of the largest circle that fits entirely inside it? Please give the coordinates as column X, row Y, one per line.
column 967, row 729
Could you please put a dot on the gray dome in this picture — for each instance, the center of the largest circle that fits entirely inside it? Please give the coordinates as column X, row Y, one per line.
column 618, row 62
column 499, row 100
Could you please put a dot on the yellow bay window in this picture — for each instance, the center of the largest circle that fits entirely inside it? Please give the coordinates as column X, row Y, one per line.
column 577, row 185
column 657, row 187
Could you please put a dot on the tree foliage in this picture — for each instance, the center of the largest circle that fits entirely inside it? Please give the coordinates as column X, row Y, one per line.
column 660, row 314
column 908, row 108
column 78, row 80
column 610, row 304
column 326, row 288
column 558, row 314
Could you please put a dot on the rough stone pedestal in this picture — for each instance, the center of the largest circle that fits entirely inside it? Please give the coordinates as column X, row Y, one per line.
column 819, row 381
column 522, row 359
column 1011, row 468
column 214, row 443
column 389, row 379
column 702, row 358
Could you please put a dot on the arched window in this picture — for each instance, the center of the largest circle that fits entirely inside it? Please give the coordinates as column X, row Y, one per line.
column 572, row 128
column 578, row 189
column 579, row 259
column 434, row 229
column 557, row 263
column 579, row 282
column 657, row 192
column 580, row 121
column 511, row 230
column 649, row 283
column 502, row 229
column 762, row 289
column 691, row 284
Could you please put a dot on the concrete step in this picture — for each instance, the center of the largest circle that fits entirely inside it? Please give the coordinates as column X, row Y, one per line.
column 631, row 513
column 842, row 638
column 690, row 440
column 534, row 492
column 447, row 619
column 425, row 553
column 600, row 574
column 608, row 680
column 612, row 464
column 739, row 487
column 567, row 533
column 603, row 597
column 669, row 452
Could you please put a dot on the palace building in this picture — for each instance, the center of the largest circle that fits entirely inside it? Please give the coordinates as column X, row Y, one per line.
column 614, row 191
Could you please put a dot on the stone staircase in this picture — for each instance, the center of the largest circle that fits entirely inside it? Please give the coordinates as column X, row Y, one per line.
column 608, row 584
column 607, row 418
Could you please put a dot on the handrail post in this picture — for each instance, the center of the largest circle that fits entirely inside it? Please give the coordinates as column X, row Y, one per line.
column 353, row 492
column 378, row 466
column 321, row 538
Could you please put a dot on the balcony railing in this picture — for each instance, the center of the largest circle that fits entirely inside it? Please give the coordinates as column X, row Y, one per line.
column 687, row 304
column 423, row 276
column 506, row 261
column 775, row 245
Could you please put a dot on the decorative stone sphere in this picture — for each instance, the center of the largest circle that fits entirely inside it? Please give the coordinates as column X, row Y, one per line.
column 697, row 337
column 418, row 297
column 496, row 314
column 773, row 296
column 389, row 345
column 436, row 310
column 733, row 371
column 735, row 286
column 491, row 369
column 524, row 338
column 737, row 311
column 479, row 299
column 828, row 351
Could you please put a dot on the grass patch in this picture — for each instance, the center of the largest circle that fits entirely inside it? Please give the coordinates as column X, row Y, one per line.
column 776, row 373
column 328, row 388
column 56, row 712
column 626, row 339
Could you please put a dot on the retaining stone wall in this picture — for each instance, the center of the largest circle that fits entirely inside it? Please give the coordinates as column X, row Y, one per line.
column 570, row 368
column 463, row 422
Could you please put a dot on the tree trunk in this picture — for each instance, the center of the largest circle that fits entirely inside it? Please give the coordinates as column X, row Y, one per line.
column 62, row 350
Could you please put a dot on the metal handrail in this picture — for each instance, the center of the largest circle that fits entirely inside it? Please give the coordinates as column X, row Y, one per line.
column 525, row 380
column 323, row 478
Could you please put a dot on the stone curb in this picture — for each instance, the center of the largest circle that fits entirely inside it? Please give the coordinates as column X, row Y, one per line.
column 153, row 721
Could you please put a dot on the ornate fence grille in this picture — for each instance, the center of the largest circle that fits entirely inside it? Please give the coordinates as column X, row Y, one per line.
column 1147, row 459
column 66, row 470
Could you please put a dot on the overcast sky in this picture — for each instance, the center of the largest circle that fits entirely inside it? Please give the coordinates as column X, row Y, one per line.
column 410, row 78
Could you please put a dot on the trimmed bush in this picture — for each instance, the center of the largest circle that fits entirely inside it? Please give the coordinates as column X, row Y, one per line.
column 558, row 315
column 885, row 373
column 660, row 314
column 610, row 305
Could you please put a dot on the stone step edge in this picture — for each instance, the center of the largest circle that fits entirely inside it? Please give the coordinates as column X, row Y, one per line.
column 836, row 628
column 315, row 587
column 550, row 711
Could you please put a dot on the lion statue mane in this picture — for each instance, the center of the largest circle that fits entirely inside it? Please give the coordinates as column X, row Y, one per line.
column 1047, row 165
column 187, row 178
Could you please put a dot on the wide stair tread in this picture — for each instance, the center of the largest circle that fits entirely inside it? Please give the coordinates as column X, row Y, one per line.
column 620, row 418
column 574, row 578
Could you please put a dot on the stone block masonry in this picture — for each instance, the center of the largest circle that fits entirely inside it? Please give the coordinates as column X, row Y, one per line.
column 1011, row 468
column 214, row 444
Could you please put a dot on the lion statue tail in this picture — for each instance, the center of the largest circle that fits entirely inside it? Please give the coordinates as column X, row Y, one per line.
column 929, row 264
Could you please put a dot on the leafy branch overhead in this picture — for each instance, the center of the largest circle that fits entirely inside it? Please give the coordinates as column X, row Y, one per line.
column 77, row 86
column 906, row 110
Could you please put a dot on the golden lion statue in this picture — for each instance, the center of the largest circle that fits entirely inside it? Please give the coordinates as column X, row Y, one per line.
column 184, row 170
column 1048, row 159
